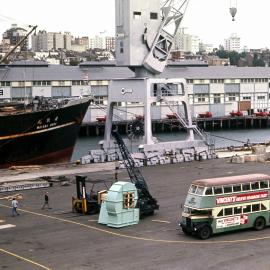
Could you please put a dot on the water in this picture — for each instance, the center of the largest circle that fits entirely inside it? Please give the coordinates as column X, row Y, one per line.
column 238, row 138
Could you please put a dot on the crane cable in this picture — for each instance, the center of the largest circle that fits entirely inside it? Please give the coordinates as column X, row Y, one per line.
column 229, row 139
column 217, row 136
column 10, row 19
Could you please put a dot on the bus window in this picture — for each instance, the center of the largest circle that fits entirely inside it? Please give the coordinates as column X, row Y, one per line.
column 197, row 212
column 255, row 207
column 209, row 191
column 263, row 207
column 202, row 212
column 237, row 210
column 220, row 213
column 192, row 189
column 218, row 190
column 246, row 209
column 246, row 186
column 227, row 189
column 227, row 211
column 200, row 190
column 255, row 185
column 236, row 188
column 264, row 184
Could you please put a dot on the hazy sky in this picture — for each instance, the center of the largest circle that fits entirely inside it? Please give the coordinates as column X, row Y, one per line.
column 209, row 19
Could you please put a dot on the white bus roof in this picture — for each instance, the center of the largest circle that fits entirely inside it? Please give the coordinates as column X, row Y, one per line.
column 229, row 180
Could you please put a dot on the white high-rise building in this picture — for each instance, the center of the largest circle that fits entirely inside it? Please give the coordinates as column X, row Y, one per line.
column 102, row 42
column 186, row 42
column 97, row 42
column 232, row 43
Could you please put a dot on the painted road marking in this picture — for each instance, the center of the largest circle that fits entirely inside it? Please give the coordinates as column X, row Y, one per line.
column 143, row 238
column 6, row 226
column 24, row 259
column 161, row 221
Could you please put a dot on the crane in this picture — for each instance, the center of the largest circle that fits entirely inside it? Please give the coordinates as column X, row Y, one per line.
column 146, row 203
column 4, row 59
column 145, row 31
column 172, row 13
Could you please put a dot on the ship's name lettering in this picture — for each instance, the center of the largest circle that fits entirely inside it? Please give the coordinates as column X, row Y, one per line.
column 46, row 126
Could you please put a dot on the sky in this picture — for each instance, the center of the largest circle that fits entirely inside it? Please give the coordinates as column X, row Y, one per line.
column 208, row 19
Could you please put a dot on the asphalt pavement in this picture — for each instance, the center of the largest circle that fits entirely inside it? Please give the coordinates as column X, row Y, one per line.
column 59, row 239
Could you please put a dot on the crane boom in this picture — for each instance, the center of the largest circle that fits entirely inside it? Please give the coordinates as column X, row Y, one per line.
column 172, row 13
column 18, row 44
column 145, row 32
column 146, row 202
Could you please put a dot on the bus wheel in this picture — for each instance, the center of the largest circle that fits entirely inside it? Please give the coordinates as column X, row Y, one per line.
column 204, row 232
column 259, row 223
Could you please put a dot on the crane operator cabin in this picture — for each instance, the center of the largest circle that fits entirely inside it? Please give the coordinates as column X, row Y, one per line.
column 145, row 31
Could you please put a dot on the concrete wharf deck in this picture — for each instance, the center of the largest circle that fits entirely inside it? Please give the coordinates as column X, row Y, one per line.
column 58, row 239
column 25, row 173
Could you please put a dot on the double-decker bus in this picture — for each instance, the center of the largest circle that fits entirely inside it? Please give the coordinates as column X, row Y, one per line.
column 224, row 204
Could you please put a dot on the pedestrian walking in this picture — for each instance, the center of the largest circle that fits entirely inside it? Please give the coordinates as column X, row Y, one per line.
column 46, row 201
column 116, row 170
column 14, row 205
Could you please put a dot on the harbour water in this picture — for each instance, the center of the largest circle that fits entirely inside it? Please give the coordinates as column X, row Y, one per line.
column 224, row 138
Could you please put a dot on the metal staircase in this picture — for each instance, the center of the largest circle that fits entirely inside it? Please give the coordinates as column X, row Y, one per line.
column 205, row 136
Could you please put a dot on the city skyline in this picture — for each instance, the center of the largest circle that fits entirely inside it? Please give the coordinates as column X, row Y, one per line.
column 210, row 20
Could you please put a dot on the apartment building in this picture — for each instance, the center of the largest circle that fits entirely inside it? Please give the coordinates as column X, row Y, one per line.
column 187, row 42
column 102, row 42
column 233, row 43
column 14, row 35
column 47, row 41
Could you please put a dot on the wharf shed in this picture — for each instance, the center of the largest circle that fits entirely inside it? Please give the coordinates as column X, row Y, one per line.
column 219, row 89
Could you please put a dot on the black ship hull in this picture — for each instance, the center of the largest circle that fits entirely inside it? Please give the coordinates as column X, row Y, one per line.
column 40, row 137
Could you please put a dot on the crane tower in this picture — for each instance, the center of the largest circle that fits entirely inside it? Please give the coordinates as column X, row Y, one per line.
column 145, row 31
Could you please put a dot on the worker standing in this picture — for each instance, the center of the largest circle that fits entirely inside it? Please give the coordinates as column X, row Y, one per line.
column 14, row 205
column 46, row 201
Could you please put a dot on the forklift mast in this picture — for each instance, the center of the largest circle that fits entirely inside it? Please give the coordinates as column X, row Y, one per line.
column 80, row 185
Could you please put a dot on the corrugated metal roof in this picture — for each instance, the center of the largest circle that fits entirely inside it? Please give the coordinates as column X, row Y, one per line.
column 108, row 72
column 218, row 72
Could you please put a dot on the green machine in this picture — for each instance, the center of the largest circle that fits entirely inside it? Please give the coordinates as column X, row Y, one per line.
column 119, row 208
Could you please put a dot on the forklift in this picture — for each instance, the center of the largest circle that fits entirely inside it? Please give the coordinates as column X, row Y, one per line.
column 87, row 203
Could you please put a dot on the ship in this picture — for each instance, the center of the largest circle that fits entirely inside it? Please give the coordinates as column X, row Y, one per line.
column 42, row 132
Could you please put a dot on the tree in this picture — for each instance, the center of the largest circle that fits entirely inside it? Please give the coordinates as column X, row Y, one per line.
column 74, row 62
column 222, row 54
column 234, row 58
column 258, row 62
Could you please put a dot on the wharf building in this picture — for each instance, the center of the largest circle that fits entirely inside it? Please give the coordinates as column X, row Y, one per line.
column 216, row 89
